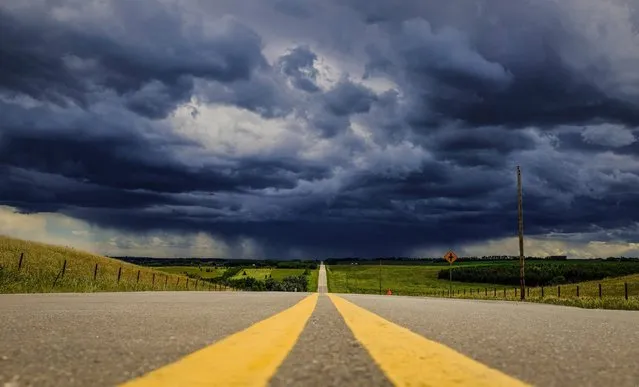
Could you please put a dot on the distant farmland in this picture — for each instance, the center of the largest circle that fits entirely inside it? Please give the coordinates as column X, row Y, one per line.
column 470, row 280
column 194, row 271
column 237, row 273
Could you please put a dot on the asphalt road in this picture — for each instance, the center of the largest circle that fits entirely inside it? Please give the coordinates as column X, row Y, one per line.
column 322, row 286
column 110, row 338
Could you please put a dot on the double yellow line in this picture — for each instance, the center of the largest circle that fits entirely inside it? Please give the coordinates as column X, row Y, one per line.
column 251, row 357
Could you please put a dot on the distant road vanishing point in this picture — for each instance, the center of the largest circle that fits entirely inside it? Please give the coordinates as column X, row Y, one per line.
column 302, row 339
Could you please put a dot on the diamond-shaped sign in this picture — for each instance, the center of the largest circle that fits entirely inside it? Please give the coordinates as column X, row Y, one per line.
column 450, row 256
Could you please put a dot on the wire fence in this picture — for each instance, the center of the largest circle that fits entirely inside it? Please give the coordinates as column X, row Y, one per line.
column 626, row 290
column 82, row 276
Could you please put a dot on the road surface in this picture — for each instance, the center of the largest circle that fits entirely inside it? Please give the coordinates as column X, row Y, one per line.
column 186, row 338
column 322, row 286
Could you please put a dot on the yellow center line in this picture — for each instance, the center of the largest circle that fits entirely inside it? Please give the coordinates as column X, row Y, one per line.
column 247, row 358
column 409, row 359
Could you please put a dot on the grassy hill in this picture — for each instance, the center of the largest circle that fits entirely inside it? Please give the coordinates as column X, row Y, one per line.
column 42, row 271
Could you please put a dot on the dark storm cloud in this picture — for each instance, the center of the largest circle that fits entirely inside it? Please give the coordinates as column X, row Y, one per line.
column 117, row 163
column 32, row 191
column 493, row 71
column 347, row 98
column 150, row 63
column 298, row 64
column 420, row 151
column 338, row 104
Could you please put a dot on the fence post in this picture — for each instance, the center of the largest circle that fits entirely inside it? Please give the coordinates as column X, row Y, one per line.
column 95, row 272
column 20, row 261
column 64, row 269
column 166, row 279
column 153, row 281
column 187, row 284
column 625, row 289
column 577, row 291
column 138, row 280
column 177, row 283
column 542, row 292
column 119, row 273
column 515, row 292
column 495, row 292
column 504, row 292
column 599, row 290
column 558, row 291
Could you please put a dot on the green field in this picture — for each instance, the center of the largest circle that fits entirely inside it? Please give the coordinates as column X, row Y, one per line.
column 418, row 280
column 421, row 280
column 260, row 274
column 42, row 271
column 193, row 270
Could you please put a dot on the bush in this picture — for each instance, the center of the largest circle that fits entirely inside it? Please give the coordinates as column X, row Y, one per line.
column 288, row 284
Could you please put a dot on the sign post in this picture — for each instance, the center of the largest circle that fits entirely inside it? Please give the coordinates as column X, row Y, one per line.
column 451, row 257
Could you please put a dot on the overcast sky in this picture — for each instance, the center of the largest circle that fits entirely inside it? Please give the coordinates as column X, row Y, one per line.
column 312, row 128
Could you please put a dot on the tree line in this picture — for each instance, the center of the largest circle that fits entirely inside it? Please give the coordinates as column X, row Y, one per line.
column 543, row 273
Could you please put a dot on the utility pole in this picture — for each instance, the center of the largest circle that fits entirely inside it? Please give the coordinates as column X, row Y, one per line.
column 520, row 215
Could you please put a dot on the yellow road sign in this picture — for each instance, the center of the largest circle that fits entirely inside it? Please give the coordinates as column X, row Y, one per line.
column 450, row 256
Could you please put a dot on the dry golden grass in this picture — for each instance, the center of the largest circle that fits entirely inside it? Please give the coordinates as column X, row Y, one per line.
column 42, row 264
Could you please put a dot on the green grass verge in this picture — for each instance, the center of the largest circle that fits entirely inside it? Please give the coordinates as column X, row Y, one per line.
column 312, row 280
column 41, row 271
